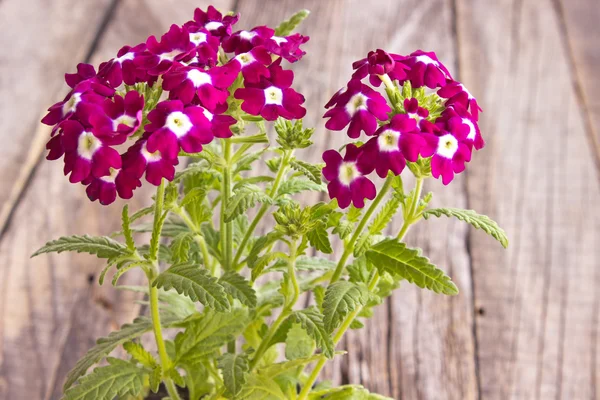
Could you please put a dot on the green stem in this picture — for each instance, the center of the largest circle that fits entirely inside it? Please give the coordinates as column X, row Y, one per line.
column 349, row 249
column 287, row 309
column 226, row 232
column 263, row 209
column 409, row 218
column 158, row 221
column 185, row 217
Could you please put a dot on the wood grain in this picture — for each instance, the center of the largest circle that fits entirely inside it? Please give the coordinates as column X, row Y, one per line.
column 538, row 321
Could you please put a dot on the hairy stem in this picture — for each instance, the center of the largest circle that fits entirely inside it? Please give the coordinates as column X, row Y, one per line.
column 349, row 249
column 285, row 160
column 226, row 232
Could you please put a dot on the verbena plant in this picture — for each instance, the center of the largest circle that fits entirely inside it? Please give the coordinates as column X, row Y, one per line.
column 206, row 93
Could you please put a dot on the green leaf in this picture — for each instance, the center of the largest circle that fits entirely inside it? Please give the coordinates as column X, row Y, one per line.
column 479, row 221
column 207, row 332
column 259, row 387
column 126, row 228
column 141, row 355
column 312, row 172
column 196, row 283
column 101, row 246
column 119, row 378
column 141, row 213
column 180, row 247
column 105, row 345
column 234, row 368
column 273, row 370
column 298, row 185
column 194, row 195
column 246, row 161
column 385, row 215
column 260, row 244
column 305, row 263
column 343, row 229
column 341, row 299
column 360, row 270
column 363, row 244
column 298, row 344
column 239, row 288
column 397, row 259
column 311, row 321
column 347, row 392
column 244, row 198
column 212, row 238
column 259, row 265
column 354, row 213
column 288, row 26
column 319, row 239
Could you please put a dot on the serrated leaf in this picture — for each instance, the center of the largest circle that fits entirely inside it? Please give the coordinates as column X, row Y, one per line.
column 395, row 258
column 311, row 321
column 343, row 229
column 346, row 392
column 239, row 288
column 125, row 223
column 207, row 332
column 385, row 215
column 298, row 344
column 312, row 172
column 354, row 213
column 360, row 270
column 260, row 244
column 305, row 263
column 244, row 198
column 141, row 355
column 341, row 299
column 107, row 344
column 101, row 246
column 259, row 387
column 212, row 238
column 319, row 239
column 155, row 378
column 288, row 26
column 180, row 247
column 259, row 265
column 363, row 244
column 298, row 185
column 196, row 283
column 478, row 221
column 119, row 378
column 234, row 368
column 245, row 162
column 194, row 195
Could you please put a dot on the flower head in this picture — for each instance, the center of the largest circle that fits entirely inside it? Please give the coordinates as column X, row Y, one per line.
column 122, row 68
column 206, row 48
column 272, row 97
column 457, row 93
column 360, row 107
column 138, row 161
column 159, row 57
column 378, row 63
column 458, row 120
column 252, row 64
column 103, row 188
column 347, row 182
column 287, row 47
column 392, row 145
column 173, row 126
column 426, row 70
column 448, row 151
column 119, row 117
column 244, row 41
column 213, row 21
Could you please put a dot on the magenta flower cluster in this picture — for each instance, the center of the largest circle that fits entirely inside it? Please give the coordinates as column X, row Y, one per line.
column 197, row 64
column 401, row 135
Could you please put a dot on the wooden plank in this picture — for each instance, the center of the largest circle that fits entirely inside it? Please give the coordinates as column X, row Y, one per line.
column 418, row 345
column 44, row 39
column 537, row 328
column 51, row 309
column 579, row 20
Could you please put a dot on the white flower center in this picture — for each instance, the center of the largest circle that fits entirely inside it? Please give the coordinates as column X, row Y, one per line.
column 426, row 60
column 71, row 104
column 245, row 59
column 178, row 123
column 348, row 173
column 192, row 61
column 273, row 95
column 213, row 25
column 447, row 146
column 247, row 35
column 279, row 40
column 415, row 116
column 198, row 37
column 87, row 145
column 124, row 119
column 207, row 114
column 124, row 57
column 198, row 77
column 356, row 103
column 169, row 55
column 388, row 140
column 110, row 178
column 150, row 157
column 472, row 130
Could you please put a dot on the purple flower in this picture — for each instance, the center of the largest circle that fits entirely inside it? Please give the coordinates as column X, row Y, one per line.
column 287, row 47
column 137, row 160
column 414, row 110
column 213, row 21
column 426, row 69
column 173, row 126
column 122, row 68
column 347, row 182
column 84, row 72
column 459, row 121
column 448, row 153
column 86, row 152
column 209, row 86
column 457, row 93
column 378, row 63
column 244, row 41
column 159, row 57
column 252, row 64
column 273, row 97
column 103, row 188
column 393, row 145
column 360, row 106
column 119, row 117
column 206, row 48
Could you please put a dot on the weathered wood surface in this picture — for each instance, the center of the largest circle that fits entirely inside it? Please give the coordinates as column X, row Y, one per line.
column 525, row 325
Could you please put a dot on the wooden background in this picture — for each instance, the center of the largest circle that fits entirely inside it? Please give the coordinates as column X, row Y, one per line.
column 526, row 324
